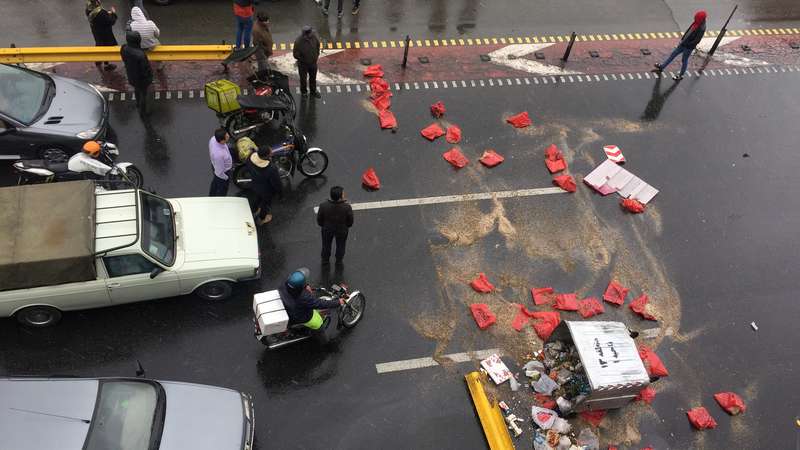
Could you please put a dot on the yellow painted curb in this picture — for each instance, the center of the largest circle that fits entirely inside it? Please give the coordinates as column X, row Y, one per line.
column 91, row 54
column 494, row 426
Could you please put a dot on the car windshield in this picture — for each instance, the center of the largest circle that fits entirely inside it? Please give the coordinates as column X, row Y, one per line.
column 22, row 93
column 127, row 416
column 158, row 229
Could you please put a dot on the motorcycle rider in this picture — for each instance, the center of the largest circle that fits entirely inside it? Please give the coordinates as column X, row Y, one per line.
column 301, row 304
column 86, row 160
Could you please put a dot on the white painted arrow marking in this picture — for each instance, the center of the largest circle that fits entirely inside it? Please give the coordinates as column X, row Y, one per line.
column 519, row 51
column 286, row 64
column 727, row 58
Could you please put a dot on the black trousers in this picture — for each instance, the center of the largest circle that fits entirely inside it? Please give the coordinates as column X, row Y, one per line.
column 327, row 240
column 328, row 3
column 141, row 98
column 309, row 73
column 219, row 187
column 264, row 203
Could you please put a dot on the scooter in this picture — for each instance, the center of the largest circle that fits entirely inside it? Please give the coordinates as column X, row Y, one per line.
column 348, row 315
column 38, row 171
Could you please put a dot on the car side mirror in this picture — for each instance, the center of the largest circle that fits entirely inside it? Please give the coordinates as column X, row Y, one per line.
column 154, row 273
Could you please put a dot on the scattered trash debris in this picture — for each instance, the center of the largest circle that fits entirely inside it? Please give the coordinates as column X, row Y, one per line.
column 565, row 182
column 554, row 159
column 540, row 442
column 615, row 293
column 512, row 420
column 521, row 319
column 481, row 284
column 544, row 401
column 544, row 385
column 547, row 322
column 594, row 417
column 455, row 158
column 483, row 316
column 453, row 135
column 701, row 419
column 513, row 383
column 653, row 364
column 590, row 307
column 387, row 119
column 543, row 295
column 639, row 306
column 437, row 109
column 566, row 302
column 614, row 153
column 504, row 406
column 730, row 402
column 561, row 426
column 632, row 205
column 370, row 179
column 754, row 326
column 496, row 369
column 378, row 86
column 432, row 131
column 610, row 177
column 374, row 70
column 588, row 440
column 383, row 101
column 490, row 158
column 564, row 405
column 520, row 120
column 647, row 395
column 543, row 417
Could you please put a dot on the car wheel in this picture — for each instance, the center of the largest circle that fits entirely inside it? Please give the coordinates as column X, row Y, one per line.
column 215, row 290
column 38, row 316
column 54, row 154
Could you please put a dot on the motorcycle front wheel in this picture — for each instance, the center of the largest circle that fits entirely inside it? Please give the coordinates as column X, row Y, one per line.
column 134, row 176
column 314, row 162
column 353, row 311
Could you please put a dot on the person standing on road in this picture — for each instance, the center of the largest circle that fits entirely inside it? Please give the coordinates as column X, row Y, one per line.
column 688, row 43
column 137, row 68
column 266, row 182
column 335, row 217
column 262, row 37
column 243, row 10
column 102, row 21
column 221, row 163
column 306, row 52
column 339, row 7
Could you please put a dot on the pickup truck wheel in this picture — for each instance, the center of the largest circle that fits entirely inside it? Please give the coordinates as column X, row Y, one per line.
column 215, row 290
column 38, row 316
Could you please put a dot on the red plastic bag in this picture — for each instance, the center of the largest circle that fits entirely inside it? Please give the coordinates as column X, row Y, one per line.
column 432, row 131
column 387, row 119
column 615, row 293
column 639, row 306
column 566, row 302
column 482, row 315
column 547, row 321
column 382, row 101
column 555, row 166
column 490, row 158
column 455, row 157
column 565, row 182
column 520, row 120
column 646, row 395
column 437, row 109
column 589, row 307
column 653, row 364
column 374, row 70
column 730, row 402
column 594, row 417
column 453, row 134
column 481, row 284
column 701, row 419
column 378, row 86
column 544, row 401
column 370, row 179
column 632, row 205
column 612, row 447
column 552, row 153
column 521, row 319
column 542, row 295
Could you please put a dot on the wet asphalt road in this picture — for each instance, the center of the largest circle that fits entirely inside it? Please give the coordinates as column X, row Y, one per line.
column 211, row 21
column 722, row 233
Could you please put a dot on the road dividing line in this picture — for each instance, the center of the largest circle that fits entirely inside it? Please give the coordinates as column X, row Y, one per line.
column 420, row 363
column 455, row 198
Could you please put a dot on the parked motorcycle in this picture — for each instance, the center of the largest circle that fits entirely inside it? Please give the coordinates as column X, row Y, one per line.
column 348, row 316
column 37, row 171
column 271, row 101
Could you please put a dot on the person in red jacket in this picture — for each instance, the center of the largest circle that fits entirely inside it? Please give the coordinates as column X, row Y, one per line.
column 244, row 11
column 688, row 42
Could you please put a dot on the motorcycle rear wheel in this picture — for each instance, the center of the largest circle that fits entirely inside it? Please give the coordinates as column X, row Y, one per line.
column 134, row 175
column 353, row 311
column 314, row 162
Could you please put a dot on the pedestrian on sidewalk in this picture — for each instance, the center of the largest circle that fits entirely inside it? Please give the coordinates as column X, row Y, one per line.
column 148, row 31
column 335, row 217
column 339, row 9
column 262, row 37
column 221, row 163
column 137, row 68
column 688, row 43
column 244, row 11
column 306, row 52
column 266, row 182
column 102, row 21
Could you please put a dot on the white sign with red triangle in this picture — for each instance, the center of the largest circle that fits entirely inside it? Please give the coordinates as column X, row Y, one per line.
column 614, row 153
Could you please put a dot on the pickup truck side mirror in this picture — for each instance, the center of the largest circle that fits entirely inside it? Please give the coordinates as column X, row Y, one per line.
column 154, row 273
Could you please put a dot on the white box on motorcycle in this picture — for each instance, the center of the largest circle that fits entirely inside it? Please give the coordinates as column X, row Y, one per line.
column 270, row 313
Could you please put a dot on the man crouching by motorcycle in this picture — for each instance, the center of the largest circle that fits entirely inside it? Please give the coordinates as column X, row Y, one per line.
column 300, row 302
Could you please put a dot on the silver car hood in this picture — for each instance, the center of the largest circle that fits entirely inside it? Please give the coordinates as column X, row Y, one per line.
column 76, row 107
column 202, row 417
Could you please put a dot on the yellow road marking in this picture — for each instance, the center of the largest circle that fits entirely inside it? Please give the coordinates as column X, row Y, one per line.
column 427, row 43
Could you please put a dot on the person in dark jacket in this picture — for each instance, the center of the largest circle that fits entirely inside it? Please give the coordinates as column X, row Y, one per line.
column 102, row 21
column 335, row 217
column 689, row 41
column 300, row 303
column 266, row 182
column 262, row 37
column 306, row 52
column 137, row 67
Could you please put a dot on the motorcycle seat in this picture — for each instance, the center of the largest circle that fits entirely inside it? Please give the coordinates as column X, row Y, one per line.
column 56, row 167
column 266, row 102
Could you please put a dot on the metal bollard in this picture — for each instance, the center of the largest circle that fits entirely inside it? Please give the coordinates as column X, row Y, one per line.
column 405, row 52
column 569, row 47
column 722, row 32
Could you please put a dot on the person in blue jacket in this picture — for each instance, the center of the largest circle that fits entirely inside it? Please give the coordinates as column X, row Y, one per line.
column 301, row 305
column 689, row 41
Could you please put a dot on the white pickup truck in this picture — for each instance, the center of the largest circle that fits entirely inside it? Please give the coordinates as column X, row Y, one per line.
column 71, row 246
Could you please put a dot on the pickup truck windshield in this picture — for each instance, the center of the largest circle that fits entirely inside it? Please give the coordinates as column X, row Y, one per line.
column 158, row 229
column 127, row 416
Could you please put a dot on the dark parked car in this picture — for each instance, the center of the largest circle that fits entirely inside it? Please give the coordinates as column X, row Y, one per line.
column 47, row 116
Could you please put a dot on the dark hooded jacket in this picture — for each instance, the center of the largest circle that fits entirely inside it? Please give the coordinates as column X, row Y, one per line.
column 306, row 49
column 694, row 34
column 137, row 66
column 102, row 22
column 300, row 304
column 336, row 216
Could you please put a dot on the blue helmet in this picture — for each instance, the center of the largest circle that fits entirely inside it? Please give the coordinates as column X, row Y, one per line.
column 298, row 278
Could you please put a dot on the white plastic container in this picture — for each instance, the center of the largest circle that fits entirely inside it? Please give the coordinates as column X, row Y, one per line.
column 270, row 313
